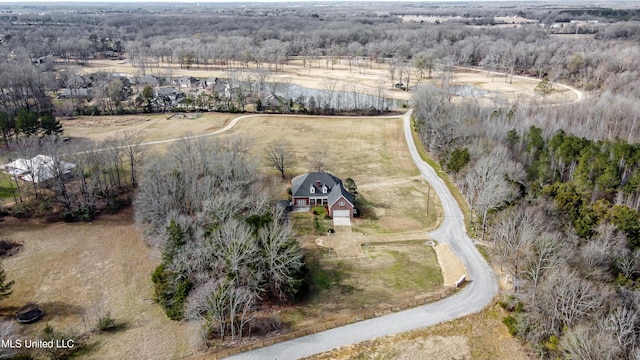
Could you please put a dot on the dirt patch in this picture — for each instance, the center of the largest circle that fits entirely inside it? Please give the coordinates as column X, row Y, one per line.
column 395, row 224
column 9, row 248
column 77, row 271
column 452, row 267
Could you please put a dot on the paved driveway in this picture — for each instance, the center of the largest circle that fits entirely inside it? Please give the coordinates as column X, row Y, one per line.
column 341, row 221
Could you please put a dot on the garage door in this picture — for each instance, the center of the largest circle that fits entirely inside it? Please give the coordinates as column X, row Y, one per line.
column 341, row 213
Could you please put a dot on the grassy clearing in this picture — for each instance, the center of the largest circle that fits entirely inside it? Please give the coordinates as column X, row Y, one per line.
column 388, row 274
column 372, row 151
column 5, row 187
column 480, row 336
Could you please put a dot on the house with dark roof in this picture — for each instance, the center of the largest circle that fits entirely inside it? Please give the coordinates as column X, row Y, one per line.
column 186, row 82
column 322, row 189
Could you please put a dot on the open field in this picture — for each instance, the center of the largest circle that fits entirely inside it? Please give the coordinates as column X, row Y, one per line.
column 315, row 74
column 372, row 151
column 76, row 272
column 152, row 126
column 432, row 19
column 479, row 336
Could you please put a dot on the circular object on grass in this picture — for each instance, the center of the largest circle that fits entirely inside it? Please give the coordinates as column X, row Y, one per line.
column 29, row 313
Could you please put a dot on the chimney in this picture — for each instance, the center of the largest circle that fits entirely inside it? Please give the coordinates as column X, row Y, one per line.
column 318, row 184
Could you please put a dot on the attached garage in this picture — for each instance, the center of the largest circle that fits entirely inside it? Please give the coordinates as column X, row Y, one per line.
column 341, row 213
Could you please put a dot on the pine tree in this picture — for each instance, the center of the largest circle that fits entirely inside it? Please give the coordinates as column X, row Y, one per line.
column 50, row 125
column 5, row 286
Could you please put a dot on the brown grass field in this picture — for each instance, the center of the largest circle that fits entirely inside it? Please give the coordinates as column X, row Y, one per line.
column 387, row 274
column 77, row 272
column 316, row 73
column 152, row 126
column 372, row 151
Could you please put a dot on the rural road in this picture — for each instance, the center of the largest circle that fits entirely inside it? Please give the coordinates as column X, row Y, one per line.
column 474, row 297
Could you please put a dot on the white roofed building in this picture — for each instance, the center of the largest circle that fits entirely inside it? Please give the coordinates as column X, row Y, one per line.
column 39, row 168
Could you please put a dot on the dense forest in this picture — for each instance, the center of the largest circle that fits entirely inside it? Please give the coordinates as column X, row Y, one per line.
column 554, row 190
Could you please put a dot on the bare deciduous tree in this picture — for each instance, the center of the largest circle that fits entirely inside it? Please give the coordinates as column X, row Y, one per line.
column 279, row 154
column 319, row 156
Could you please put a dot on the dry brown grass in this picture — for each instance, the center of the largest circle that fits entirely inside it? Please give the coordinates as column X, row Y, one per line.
column 372, row 151
column 316, row 73
column 76, row 271
column 480, row 336
column 152, row 126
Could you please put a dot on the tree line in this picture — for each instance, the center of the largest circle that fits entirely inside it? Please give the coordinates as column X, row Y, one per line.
column 237, row 41
column 228, row 251
column 25, row 126
column 554, row 192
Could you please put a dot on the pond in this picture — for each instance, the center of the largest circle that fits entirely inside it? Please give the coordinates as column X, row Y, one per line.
column 339, row 100
column 469, row 91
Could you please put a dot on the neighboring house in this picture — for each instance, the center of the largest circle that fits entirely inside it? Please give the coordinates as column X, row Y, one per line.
column 170, row 93
column 322, row 189
column 81, row 93
column 210, row 83
column 167, row 97
column 272, row 102
column 38, row 168
column 188, row 82
column 150, row 80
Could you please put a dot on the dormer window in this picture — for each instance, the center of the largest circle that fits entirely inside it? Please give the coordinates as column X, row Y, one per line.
column 324, row 189
column 312, row 189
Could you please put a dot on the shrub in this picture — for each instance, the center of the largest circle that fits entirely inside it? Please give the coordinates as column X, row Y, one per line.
column 170, row 291
column 512, row 324
column 106, row 323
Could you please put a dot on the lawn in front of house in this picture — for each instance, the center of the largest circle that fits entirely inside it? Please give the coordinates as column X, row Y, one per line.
column 388, row 274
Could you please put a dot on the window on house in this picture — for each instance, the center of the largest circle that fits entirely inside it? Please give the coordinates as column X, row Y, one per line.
column 324, row 189
column 312, row 189
column 341, row 203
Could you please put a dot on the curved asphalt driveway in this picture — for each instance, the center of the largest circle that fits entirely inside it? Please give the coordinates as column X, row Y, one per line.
column 472, row 298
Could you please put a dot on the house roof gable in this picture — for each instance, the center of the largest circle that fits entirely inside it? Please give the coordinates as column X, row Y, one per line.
column 339, row 192
column 301, row 185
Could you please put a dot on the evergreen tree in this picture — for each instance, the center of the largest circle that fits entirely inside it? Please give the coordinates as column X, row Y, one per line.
column 50, row 125
column 5, row 286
